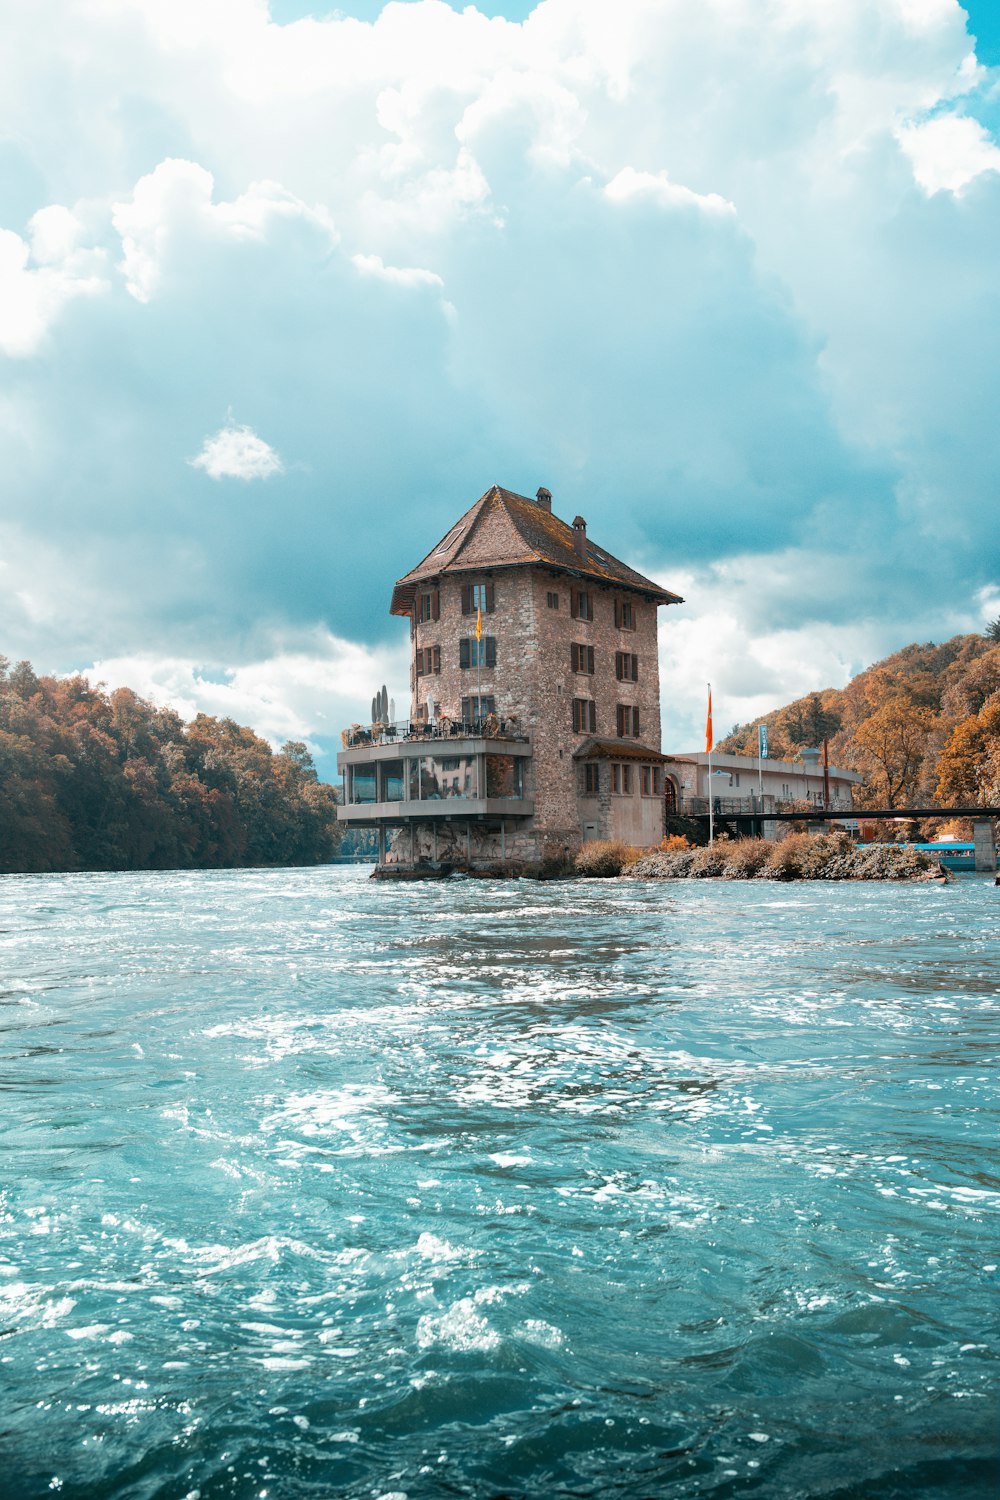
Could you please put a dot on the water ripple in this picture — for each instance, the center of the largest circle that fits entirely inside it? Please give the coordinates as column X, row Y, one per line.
column 318, row 1187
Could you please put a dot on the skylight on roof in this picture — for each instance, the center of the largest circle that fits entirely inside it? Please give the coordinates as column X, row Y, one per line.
column 451, row 538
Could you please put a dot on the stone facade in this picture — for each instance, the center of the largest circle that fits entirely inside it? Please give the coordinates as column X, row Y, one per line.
column 568, row 657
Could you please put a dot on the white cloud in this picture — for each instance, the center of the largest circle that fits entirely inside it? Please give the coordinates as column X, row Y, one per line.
column 372, row 265
column 657, row 187
column 307, row 689
column 722, row 276
column 724, row 635
column 173, row 203
column 949, row 152
column 237, row 453
column 33, row 295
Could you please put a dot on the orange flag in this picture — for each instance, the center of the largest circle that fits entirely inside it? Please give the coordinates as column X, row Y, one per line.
column 708, row 722
column 479, row 624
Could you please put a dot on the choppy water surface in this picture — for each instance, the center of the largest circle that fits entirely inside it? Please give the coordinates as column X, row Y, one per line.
column 317, row 1187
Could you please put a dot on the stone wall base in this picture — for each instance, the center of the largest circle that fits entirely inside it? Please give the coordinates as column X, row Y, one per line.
column 477, row 849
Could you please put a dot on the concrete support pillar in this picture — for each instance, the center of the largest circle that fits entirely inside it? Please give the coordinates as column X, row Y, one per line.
column 381, row 843
column 986, row 854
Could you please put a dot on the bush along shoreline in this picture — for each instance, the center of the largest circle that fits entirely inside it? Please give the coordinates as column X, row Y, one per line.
column 800, row 856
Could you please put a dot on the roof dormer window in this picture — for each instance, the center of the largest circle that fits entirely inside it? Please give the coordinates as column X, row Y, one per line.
column 451, row 538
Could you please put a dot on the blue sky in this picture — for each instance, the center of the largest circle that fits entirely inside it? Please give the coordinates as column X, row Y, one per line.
column 282, row 293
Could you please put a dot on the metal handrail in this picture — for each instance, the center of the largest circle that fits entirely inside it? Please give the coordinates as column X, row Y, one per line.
column 749, row 807
column 443, row 730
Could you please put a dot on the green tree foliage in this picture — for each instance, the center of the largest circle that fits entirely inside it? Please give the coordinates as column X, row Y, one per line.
column 91, row 781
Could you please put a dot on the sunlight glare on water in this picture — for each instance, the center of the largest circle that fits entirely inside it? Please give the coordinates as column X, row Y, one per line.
column 315, row 1186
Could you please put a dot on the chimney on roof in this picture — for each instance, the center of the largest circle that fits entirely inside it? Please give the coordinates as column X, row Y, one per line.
column 580, row 536
column 544, row 498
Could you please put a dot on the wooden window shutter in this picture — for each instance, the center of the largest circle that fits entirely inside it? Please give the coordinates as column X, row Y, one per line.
column 467, row 598
column 635, row 722
column 574, row 604
column 590, row 660
column 574, row 657
column 464, row 655
column 436, row 605
column 618, row 614
column 490, row 642
column 593, row 716
column 420, row 663
column 635, row 668
column 489, row 599
column 437, row 660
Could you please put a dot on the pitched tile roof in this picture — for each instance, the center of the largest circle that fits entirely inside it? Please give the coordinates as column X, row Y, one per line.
column 505, row 530
column 598, row 749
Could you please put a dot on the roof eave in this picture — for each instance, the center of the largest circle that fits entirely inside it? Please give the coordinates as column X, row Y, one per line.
column 598, row 749
column 411, row 581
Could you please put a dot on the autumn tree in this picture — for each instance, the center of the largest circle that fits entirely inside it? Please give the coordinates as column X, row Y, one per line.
column 890, row 745
column 969, row 766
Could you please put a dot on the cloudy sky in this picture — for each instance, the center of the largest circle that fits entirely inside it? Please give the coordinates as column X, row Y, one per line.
column 283, row 290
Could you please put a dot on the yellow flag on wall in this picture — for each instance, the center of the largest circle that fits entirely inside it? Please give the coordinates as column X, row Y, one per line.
column 479, row 624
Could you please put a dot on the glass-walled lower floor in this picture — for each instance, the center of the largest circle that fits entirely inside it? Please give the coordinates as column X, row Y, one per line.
column 435, row 778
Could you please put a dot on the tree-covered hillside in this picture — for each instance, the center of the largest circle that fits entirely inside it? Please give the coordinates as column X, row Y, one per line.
column 98, row 781
column 923, row 726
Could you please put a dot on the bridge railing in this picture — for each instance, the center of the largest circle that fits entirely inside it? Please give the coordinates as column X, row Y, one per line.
column 751, row 807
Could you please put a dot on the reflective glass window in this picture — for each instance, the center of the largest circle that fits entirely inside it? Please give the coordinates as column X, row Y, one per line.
column 392, row 780
column 363, row 783
column 504, row 776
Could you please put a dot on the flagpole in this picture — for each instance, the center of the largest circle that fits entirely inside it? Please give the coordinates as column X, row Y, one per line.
column 709, row 737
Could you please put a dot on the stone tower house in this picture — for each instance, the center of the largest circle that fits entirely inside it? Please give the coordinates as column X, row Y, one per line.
column 541, row 731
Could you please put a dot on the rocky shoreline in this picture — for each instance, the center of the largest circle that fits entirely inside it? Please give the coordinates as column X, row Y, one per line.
column 801, row 856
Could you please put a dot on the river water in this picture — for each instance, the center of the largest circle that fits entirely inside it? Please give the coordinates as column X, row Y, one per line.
column 320, row 1187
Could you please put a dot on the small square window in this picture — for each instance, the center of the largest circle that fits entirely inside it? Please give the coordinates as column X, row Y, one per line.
column 552, row 600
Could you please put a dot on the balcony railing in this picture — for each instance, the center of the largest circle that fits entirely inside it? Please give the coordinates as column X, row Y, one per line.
column 492, row 727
